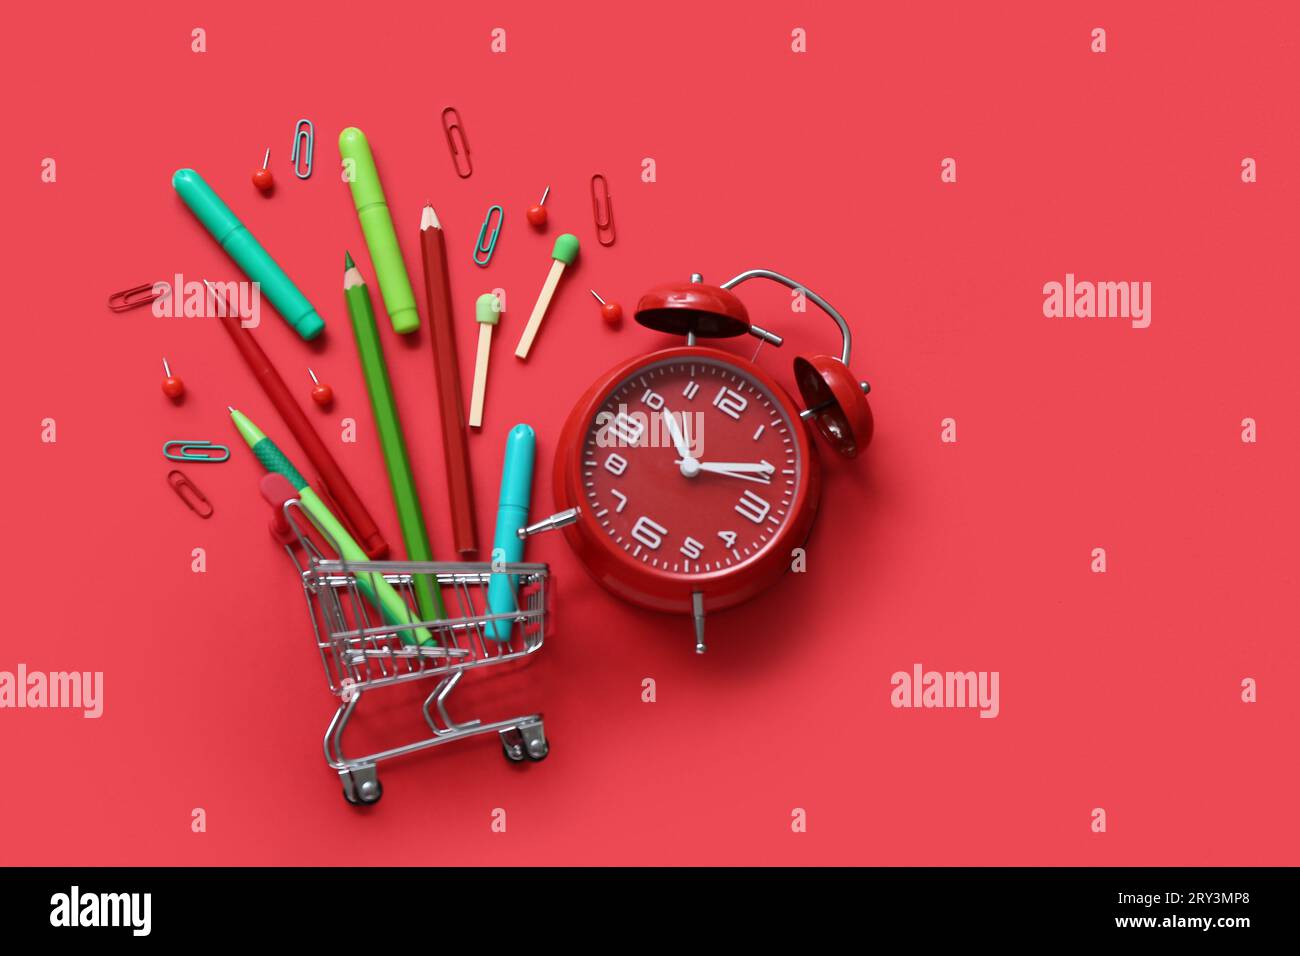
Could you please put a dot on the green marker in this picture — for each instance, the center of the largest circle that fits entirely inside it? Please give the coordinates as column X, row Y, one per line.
column 410, row 516
column 233, row 236
column 377, row 224
column 377, row 591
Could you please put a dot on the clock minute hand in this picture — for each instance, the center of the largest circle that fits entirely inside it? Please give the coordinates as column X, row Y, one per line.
column 742, row 470
column 726, row 467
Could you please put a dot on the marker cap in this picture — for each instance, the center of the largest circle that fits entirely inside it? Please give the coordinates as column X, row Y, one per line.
column 366, row 189
column 517, row 473
column 204, row 202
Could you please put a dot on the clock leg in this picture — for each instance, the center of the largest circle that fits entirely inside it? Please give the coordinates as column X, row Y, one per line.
column 557, row 520
column 697, row 609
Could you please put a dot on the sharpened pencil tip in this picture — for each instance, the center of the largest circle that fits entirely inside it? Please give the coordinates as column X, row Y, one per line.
column 231, row 409
column 347, row 261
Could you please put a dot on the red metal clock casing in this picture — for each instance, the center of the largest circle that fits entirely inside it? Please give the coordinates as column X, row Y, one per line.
column 632, row 578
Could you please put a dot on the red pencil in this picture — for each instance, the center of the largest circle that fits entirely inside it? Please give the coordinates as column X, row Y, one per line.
column 446, row 371
column 331, row 476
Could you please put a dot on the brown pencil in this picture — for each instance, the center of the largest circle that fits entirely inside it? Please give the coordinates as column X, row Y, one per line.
column 446, row 371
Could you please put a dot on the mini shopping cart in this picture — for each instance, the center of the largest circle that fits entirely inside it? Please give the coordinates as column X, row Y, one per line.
column 362, row 654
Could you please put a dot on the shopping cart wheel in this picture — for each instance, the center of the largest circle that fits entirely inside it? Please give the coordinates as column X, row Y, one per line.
column 362, row 787
column 535, row 743
column 512, row 742
column 371, row 791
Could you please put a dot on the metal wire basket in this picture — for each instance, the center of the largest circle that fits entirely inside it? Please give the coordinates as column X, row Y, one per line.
column 362, row 653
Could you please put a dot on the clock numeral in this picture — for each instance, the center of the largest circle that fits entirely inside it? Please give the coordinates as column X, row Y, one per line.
column 615, row 464
column 753, row 507
column 692, row 387
column 648, row 532
column 731, row 402
column 692, row 548
column 653, row 399
column 622, row 499
column 728, row 538
column 625, row 430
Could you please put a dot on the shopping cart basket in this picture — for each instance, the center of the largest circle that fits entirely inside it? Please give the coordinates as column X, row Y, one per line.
column 361, row 653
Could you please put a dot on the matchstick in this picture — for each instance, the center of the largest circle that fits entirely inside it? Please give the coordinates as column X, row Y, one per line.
column 565, row 251
column 487, row 311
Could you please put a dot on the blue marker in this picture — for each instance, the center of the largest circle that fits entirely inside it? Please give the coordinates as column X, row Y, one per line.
column 512, row 514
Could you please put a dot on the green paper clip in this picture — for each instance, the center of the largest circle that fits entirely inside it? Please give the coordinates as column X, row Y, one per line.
column 188, row 447
column 483, row 252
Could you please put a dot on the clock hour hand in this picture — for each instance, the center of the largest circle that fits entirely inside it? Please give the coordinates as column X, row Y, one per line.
column 679, row 439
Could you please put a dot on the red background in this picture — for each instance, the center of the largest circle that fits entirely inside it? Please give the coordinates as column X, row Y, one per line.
column 1119, row 691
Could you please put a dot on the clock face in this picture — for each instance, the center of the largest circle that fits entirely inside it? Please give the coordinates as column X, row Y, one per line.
column 690, row 466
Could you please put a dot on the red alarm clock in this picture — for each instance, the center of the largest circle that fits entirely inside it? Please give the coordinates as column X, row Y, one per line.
column 686, row 477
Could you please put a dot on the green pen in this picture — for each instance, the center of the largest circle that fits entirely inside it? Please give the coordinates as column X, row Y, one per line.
column 240, row 244
column 377, row 225
column 410, row 516
column 377, row 591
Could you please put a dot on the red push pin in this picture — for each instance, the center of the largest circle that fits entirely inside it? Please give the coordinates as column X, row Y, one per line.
column 322, row 395
column 172, row 386
column 537, row 214
column 611, row 312
column 262, row 178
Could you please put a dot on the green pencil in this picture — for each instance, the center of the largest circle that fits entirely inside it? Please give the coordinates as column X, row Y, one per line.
column 410, row 516
column 376, row 590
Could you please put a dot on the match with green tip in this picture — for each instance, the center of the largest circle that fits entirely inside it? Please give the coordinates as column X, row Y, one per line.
column 564, row 254
column 566, row 248
column 487, row 309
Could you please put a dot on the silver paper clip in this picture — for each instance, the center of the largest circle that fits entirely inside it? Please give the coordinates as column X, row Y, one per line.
column 304, row 143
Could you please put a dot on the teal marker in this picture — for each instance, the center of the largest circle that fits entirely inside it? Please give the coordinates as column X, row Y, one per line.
column 233, row 236
column 377, row 591
column 512, row 514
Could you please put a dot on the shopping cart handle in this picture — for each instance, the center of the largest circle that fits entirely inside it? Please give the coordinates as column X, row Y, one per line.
column 557, row 520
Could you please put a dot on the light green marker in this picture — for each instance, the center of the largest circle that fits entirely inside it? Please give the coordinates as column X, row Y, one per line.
column 378, row 591
column 377, row 224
